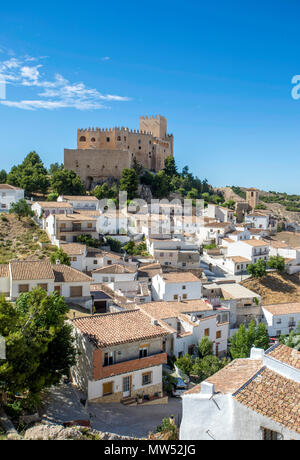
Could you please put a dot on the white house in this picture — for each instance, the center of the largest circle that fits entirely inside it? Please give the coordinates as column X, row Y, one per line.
column 176, row 286
column 77, row 253
column 43, row 209
column 189, row 321
column 121, row 358
column 220, row 213
column 112, row 222
column 282, row 318
column 290, row 254
column 253, row 250
column 250, row 399
column 23, row 276
column 214, row 231
column 258, row 220
column 81, row 202
column 174, row 252
column 8, row 195
column 114, row 273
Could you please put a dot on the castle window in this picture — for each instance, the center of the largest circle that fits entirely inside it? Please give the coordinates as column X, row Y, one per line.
column 124, row 138
column 87, row 166
column 93, row 139
column 150, row 142
column 139, row 141
column 107, row 139
column 119, row 138
column 82, row 139
column 140, row 148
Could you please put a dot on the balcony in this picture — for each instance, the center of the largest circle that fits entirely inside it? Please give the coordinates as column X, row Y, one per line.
column 292, row 323
column 132, row 365
column 77, row 230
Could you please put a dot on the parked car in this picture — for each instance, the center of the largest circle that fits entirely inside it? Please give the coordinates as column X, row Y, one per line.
column 179, row 387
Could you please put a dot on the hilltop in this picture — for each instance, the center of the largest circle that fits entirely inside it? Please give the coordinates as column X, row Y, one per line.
column 21, row 239
column 275, row 288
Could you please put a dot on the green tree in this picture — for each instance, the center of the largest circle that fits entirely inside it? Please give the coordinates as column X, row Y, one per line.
column 115, row 245
column 52, row 196
column 39, row 345
column 277, row 263
column 31, row 175
column 21, row 209
column 129, row 182
column 205, row 347
column 185, row 363
column 208, row 366
column 66, row 182
column 170, row 167
column 161, row 185
column 244, row 339
column 3, row 176
column 54, row 167
column 257, row 270
column 60, row 255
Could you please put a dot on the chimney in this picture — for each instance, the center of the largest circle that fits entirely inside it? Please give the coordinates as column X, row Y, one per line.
column 57, row 262
column 207, row 389
column 257, row 353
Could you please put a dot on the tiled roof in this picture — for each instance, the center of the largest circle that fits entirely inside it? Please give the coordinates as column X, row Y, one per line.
column 274, row 397
column 286, row 355
column 180, row 277
column 283, row 308
column 232, row 377
column 31, row 270
column 239, row 259
column 118, row 328
column 65, row 274
column 73, row 248
column 115, row 269
column 75, row 217
column 255, row 243
column 54, row 204
column 218, row 224
column 79, row 198
column 9, row 187
column 164, row 310
column 4, row 270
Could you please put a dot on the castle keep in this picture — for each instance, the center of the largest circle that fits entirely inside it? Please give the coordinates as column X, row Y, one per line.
column 102, row 153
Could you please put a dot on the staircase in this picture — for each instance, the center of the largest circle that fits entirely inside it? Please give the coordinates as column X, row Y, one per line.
column 129, row 401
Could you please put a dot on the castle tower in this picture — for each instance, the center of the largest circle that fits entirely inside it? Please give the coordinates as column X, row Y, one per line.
column 156, row 125
column 252, row 197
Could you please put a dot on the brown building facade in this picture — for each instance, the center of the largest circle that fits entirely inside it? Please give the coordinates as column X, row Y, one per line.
column 102, row 153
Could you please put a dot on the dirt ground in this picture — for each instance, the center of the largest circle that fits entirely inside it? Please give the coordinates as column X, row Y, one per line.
column 275, row 288
column 19, row 239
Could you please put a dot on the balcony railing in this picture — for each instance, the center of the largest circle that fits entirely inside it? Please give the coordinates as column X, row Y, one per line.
column 131, row 365
column 77, row 230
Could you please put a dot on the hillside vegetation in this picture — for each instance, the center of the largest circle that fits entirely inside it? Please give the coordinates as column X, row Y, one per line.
column 275, row 288
column 19, row 239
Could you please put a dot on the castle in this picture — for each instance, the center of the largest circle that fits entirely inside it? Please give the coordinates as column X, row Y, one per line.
column 103, row 153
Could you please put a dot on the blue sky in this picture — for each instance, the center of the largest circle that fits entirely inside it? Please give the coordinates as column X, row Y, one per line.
column 221, row 73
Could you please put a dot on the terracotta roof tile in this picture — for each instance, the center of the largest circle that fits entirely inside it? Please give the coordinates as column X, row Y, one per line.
column 180, row 277
column 274, row 397
column 4, row 271
column 117, row 328
column 283, row 308
column 31, row 270
column 164, row 310
column 117, row 269
column 286, row 355
column 65, row 274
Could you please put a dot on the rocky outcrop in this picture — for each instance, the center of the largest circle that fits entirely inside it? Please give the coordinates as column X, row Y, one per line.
column 46, row 432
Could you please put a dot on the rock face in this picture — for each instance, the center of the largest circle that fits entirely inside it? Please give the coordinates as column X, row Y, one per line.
column 60, row 433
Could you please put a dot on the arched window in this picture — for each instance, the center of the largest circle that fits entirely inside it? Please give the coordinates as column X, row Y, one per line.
column 118, row 138
column 82, row 139
column 93, row 139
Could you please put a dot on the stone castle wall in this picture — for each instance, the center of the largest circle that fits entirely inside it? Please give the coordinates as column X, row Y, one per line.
column 102, row 153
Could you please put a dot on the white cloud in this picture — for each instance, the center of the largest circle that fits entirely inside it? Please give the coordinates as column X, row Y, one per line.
column 51, row 94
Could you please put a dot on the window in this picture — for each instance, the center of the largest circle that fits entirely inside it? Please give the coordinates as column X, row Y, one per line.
column 147, row 378
column 3, row 206
column 109, row 262
column 218, row 334
column 23, row 288
column 93, row 139
column 183, row 287
column 184, row 296
column 105, row 279
column 278, row 332
column 278, row 321
column 109, row 358
column 175, row 297
column 82, row 139
column 74, row 259
column 270, row 435
column 107, row 139
column 143, row 352
column 63, row 226
column 206, row 332
column 57, row 289
column 76, row 291
column 90, row 225
column 43, row 286
column 63, row 238
column 107, row 388
column 95, row 261
column 118, row 138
